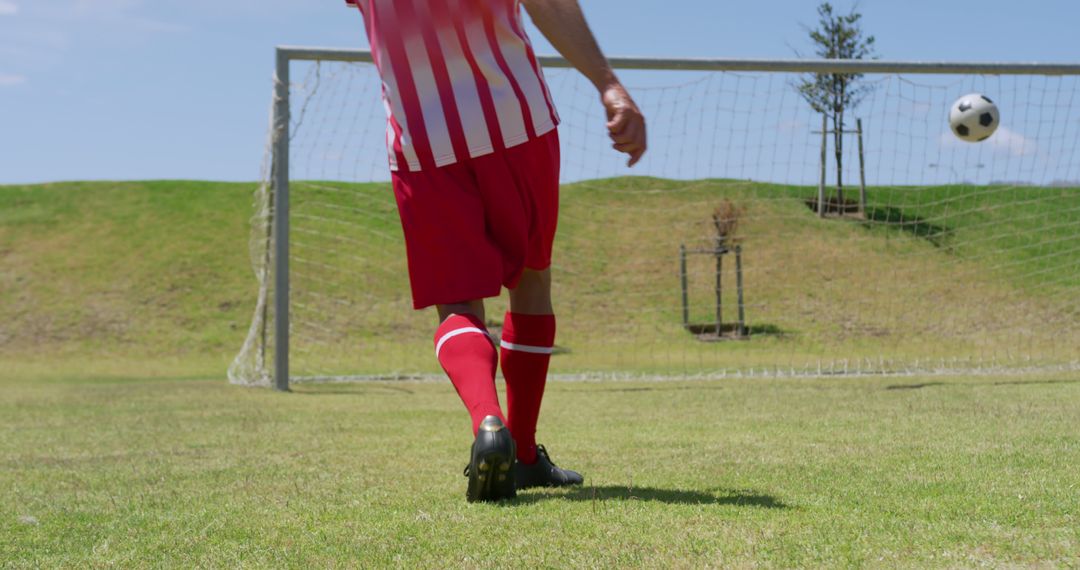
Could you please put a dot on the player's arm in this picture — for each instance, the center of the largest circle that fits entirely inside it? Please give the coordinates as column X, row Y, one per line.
column 563, row 23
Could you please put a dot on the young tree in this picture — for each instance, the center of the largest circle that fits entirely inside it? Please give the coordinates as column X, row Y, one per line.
column 834, row 94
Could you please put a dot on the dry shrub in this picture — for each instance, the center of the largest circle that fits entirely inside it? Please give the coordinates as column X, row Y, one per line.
column 726, row 218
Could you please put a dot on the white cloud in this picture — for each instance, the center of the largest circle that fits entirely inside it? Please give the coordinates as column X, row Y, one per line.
column 46, row 31
column 123, row 17
column 1012, row 142
column 1004, row 141
column 8, row 80
column 8, row 8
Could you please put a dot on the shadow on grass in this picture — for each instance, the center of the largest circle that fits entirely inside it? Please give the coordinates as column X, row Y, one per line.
column 735, row 497
column 917, row 226
column 730, row 331
column 358, row 389
column 764, row 329
column 1002, row 383
column 694, row 388
column 913, row 386
column 1023, row 383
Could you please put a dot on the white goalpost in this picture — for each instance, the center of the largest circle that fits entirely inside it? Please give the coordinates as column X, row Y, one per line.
column 732, row 249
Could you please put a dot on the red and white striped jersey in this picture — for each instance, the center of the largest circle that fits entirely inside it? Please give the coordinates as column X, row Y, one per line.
column 459, row 79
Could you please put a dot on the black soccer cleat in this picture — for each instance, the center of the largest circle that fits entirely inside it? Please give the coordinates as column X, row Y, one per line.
column 489, row 468
column 544, row 473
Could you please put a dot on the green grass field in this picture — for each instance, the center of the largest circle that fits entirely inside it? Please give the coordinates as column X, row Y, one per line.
column 121, row 304
column 905, row 472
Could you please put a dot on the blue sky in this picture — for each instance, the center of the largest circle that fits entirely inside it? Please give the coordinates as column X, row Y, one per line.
column 136, row 89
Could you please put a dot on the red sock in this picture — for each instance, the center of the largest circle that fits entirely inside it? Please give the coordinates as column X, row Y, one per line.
column 468, row 356
column 526, row 351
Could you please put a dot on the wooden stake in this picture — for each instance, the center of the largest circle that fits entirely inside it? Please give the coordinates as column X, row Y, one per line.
column 738, row 281
column 719, row 272
column 862, row 169
column 824, row 145
column 685, row 287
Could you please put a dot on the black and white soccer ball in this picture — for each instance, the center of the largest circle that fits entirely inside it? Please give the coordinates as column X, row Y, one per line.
column 974, row 118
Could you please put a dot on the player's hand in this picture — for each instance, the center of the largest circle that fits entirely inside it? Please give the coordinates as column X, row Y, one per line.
column 626, row 124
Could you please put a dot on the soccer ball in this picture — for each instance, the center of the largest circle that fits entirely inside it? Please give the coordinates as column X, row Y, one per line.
column 974, row 118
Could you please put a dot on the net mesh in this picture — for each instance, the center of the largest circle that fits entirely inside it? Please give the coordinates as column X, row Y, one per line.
column 963, row 257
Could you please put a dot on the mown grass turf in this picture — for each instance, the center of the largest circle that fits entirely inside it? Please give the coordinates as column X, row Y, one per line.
column 879, row 472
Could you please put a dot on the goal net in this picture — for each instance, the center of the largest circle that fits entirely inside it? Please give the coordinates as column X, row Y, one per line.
column 725, row 252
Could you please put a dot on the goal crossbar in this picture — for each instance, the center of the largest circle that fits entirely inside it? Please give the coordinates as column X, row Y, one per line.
column 296, row 53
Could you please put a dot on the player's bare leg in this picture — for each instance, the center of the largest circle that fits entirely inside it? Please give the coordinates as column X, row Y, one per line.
column 528, row 338
column 475, row 308
column 533, row 294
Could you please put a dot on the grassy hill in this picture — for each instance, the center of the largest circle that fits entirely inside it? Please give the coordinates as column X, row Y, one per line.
column 153, row 278
column 118, row 278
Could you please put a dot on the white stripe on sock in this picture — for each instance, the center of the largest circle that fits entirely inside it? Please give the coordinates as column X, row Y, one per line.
column 527, row 348
column 455, row 332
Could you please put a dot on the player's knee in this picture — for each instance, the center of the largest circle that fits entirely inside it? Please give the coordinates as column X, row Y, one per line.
column 533, row 293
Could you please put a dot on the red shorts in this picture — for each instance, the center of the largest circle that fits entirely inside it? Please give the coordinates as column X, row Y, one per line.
column 472, row 227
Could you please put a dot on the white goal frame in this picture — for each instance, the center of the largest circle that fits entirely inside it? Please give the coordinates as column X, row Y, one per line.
column 279, row 175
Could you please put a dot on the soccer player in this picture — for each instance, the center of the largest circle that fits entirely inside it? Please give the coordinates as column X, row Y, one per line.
column 474, row 159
